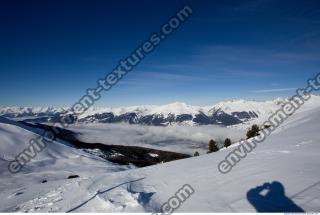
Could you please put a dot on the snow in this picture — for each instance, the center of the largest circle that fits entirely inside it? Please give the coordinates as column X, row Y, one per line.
column 262, row 108
column 290, row 155
column 30, row 110
column 179, row 108
column 153, row 155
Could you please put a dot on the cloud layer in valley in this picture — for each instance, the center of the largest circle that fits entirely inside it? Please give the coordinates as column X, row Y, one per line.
column 184, row 139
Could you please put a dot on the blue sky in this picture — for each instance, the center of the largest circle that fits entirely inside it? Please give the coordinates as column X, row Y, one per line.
column 52, row 51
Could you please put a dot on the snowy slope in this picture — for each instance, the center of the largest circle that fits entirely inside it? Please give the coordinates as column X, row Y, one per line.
column 290, row 156
column 55, row 163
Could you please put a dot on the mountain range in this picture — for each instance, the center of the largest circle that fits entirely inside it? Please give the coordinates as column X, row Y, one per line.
column 224, row 113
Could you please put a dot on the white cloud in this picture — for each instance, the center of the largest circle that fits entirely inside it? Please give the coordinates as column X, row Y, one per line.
column 273, row 90
column 183, row 139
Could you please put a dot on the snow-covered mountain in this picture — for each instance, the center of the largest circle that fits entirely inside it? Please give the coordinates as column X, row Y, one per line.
column 289, row 156
column 29, row 112
column 223, row 113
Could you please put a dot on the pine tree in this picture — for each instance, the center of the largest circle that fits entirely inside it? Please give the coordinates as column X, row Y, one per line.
column 254, row 131
column 213, row 147
column 196, row 154
column 227, row 142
